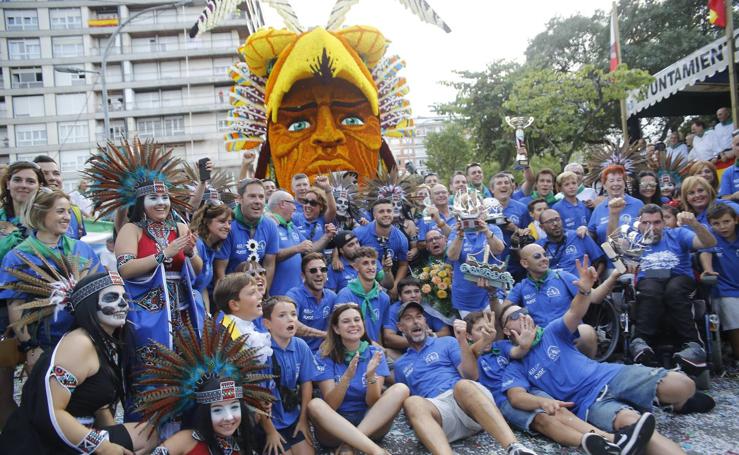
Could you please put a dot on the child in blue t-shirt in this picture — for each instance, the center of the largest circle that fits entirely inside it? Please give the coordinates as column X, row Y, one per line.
column 294, row 367
column 353, row 411
column 723, row 261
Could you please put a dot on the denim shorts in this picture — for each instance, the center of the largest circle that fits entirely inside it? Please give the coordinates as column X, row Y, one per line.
column 634, row 387
column 518, row 418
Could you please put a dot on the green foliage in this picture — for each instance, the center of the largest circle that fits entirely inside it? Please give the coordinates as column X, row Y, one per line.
column 448, row 150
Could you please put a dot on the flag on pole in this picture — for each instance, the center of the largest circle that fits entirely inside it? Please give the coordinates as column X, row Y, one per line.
column 614, row 53
column 717, row 13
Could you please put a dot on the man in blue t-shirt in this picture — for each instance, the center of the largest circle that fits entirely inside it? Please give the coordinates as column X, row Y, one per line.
column 563, row 246
column 515, row 212
column 730, row 179
column 292, row 243
column 443, row 406
column 253, row 236
column 385, row 238
column 665, row 283
column 605, row 394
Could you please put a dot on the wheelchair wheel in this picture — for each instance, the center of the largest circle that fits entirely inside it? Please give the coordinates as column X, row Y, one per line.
column 605, row 320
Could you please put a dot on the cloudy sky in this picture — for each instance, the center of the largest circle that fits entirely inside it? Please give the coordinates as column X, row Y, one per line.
column 482, row 31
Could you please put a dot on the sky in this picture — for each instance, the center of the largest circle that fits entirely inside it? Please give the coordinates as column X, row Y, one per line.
column 482, row 31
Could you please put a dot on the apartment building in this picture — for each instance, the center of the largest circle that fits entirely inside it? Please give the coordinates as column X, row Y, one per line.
column 413, row 149
column 160, row 82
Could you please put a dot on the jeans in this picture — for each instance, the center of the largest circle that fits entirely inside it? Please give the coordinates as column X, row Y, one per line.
column 666, row 300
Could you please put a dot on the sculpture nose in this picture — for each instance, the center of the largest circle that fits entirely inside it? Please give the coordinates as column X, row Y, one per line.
column 326, row 134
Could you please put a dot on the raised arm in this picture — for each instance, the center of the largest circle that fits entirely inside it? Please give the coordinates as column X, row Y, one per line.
column 581, row 302
column 468, row 367
column 703, row 237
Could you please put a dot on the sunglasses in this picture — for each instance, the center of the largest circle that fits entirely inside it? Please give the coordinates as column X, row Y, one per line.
column 648, row 186
column 516, row 315
column 315, row 270
column 311, row 202
column 537, row 256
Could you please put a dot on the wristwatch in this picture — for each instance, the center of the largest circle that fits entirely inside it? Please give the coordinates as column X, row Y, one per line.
column 590, row 291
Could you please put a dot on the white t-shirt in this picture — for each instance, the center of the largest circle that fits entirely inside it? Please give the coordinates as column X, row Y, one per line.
column 705, row 147
column 723, row 135
column 679, row 150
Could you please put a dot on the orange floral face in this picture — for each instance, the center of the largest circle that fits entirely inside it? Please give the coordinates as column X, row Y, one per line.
column 322, row 128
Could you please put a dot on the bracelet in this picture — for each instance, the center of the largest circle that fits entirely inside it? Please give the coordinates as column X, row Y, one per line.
column 579, row 291
column 92, row 441
column 373, row 380
column 159, row 257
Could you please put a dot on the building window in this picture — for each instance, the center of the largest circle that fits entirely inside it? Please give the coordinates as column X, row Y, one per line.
column 65, row 18
column 21, row 19
column 73, row 132
column 67, row 46
column 66, row 79
column 174, row 125
column 30, row 135
column 28, row 106
column 73, row 159
column 26, row 77
column 24, row 49
column 71, row 104
column 149, row 127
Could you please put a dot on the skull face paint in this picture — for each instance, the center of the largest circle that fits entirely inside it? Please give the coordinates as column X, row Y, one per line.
column 156, row 206
column 666, row 185
column 112, row 306
column 342, row 202
column 225, row 417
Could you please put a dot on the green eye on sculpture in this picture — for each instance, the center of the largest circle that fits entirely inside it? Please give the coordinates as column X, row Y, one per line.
column 352, row 121
column 300, row 125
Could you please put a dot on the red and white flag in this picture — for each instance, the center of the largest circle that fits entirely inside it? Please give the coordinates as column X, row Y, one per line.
column 614, row 53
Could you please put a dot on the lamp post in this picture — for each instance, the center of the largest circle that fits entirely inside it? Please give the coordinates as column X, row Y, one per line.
column 109, row 45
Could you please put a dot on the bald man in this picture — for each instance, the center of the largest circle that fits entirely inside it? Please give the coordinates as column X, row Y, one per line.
column 547, row 294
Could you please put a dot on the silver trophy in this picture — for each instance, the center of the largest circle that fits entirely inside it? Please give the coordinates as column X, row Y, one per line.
column 624, row 247
column 427, row 204
column 494, row 211
column 468, row 206
column 519, row 123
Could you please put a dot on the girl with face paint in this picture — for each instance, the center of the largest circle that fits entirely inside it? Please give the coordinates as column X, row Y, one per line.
column 69, row 401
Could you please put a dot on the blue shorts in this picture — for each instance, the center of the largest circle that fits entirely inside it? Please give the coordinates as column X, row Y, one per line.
column 634, row 387
column 518, row 418
column 355, row 417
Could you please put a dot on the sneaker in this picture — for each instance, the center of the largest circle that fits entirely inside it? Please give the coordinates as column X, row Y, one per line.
column 595, row 444
column 641, row 352
column 519, row 449
column 700, row 402
column 633, row 439
column 692, row 356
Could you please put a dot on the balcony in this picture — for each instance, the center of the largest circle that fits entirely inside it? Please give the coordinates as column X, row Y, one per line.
column 103, row 22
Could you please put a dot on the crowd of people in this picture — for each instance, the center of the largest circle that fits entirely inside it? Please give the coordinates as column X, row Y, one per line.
column 352, row 306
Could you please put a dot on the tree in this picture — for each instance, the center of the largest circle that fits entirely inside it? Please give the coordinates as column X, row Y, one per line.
column 448, row 150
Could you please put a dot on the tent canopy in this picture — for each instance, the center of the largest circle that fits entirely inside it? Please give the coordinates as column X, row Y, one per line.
column 694, row 85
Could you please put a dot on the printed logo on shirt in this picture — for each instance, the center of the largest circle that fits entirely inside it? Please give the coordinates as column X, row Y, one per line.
column 326, row 311
column 507, row 382
column 624, row 219
column 537, row 371
column 661, row 260
column 529, row 299
column 407, row 371
column 552, row 292
column 431, row 358
column 514, row 218
column 502, row 361
column 571, row 250
column 553, row 352
column 307, row 314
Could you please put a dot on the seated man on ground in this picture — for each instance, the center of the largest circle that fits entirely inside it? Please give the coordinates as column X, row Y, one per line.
column 609, row 396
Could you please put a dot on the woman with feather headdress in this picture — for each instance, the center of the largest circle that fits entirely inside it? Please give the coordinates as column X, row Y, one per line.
column 156, row 254
column 38, row 257
column 68, row 403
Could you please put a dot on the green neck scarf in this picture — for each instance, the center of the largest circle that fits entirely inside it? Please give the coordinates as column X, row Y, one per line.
column 549, row 198
column 238, row 216
column 538, row 283
column 537, row 337
column 357, row 289
column 32, row 243
column 349, row 355
column 286, row 224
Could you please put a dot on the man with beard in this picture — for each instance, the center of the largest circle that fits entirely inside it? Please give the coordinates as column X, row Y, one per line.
column 443, row 406
column 563, row 247
column 340, row 274
column 386, row 239
column 314, row 302
column 665, row 283
column 252, row 236
column 435, row 251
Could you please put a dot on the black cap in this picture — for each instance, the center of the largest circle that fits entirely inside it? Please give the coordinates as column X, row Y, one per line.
column 407, row 305
column 343, row 237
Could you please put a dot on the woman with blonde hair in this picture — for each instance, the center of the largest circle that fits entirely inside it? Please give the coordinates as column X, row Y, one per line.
column 354, row 411
column 698, row 196
column 707, row 170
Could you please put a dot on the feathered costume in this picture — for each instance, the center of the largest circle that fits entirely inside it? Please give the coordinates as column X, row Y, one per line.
column 277, row 60
column 672, row 169
column 390, row 185
column 199, row 371
column 608, row 154
column 348, row 204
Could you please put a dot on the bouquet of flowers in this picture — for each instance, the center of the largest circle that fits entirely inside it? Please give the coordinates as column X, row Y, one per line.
column 436, row 282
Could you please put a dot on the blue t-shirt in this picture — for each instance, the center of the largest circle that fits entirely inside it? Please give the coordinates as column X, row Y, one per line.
column 205, row 277
column 397, row 243
column 338, row 279
column 491, row 367
column 432, row 370
column 555, row 366
column 425, row 226
column 288, row 270
column 236, row 246
column 573, row 216
column 671, row 253
column 391, row 323
column 562, row 256
column 519, row 215
column 466, row 295
column 518, row 195
column 378, row 308
column 356, row 393
column 598, row 223
column 726, row 264
column 703, row 216
column 310, row 230
column 729, row 181
column 547, row 299
column 312, row 313
column 297, row 366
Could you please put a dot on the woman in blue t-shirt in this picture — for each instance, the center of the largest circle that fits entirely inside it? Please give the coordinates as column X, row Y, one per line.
column 354, row 410
column 212, row 223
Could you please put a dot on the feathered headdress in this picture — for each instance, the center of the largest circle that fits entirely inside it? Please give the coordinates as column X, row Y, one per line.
column 121, row 174
column 51, row 287
column 345, row 191
column 608, row 154
column 389, row 185
column 203, row 370
column 672, row 167
column 219, row 186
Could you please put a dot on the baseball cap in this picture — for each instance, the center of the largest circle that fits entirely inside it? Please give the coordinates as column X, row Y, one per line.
column 407, row 305
column 343, row 237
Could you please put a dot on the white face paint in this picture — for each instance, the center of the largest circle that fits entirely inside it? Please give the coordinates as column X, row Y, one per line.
column 225, row 417
column 157, row 205
column 112, row 306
